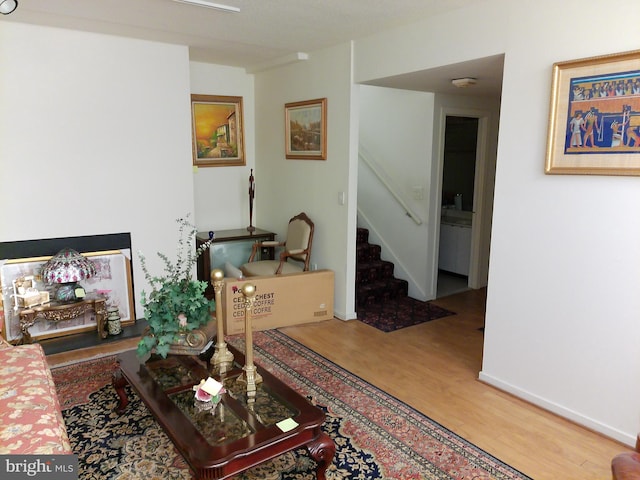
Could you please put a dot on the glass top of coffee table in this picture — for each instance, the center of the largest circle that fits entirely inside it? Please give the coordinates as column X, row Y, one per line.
column 235, row 416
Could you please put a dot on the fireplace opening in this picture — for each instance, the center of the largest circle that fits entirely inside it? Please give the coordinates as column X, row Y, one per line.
column 29, row 310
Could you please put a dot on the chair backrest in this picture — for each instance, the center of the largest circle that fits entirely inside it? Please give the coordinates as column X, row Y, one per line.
column 300, row 237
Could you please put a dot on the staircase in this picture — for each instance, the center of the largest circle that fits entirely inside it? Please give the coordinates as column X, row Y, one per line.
column 375, row 282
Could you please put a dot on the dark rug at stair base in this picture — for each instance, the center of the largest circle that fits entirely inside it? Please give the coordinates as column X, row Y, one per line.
column 376, row 435
column 400, row 313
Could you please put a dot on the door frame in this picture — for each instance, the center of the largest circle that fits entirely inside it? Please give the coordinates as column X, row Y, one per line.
column 482, row 196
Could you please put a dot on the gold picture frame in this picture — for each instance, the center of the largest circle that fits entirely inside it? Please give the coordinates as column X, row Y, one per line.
column 594, row 124
column 306, row 129
column 217, row 129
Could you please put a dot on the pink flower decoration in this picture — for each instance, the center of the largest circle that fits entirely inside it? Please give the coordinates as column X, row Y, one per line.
column 202, row 395
column 182, row 320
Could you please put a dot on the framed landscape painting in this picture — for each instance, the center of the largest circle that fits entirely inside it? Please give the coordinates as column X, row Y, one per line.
column 306, row 129
column 217, row 131
column 594, row 124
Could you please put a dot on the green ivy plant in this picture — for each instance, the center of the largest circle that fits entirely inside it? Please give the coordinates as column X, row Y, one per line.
column 176, row 303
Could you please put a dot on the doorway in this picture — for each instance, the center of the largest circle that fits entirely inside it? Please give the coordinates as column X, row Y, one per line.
column 462, row 259
column 456, row 219
column 459, row 162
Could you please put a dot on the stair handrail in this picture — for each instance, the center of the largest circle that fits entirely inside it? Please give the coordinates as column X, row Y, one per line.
column 387, row 182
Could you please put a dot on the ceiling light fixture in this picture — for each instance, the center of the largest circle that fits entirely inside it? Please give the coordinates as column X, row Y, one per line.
column 207, row 4
column 463, row 82
column 8, row 6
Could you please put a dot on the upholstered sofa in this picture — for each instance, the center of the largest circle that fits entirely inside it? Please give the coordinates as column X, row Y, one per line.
column 626, row 466
column 31, row 421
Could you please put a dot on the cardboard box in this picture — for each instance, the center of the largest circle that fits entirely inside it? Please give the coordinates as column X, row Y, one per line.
column 280, row 300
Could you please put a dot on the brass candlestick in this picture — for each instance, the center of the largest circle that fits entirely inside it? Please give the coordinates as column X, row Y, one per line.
column 222, row 358
column 250, row 376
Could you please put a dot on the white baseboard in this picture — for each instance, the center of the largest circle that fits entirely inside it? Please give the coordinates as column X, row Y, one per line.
column 606, row 430
column 345, row 316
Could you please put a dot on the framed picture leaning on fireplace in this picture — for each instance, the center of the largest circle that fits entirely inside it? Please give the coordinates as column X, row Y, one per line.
column 306, row 129
column 23, row 289
column 594, row 122
column 217, row 131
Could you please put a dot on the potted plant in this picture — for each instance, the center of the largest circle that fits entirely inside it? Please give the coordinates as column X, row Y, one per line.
column 176, row 304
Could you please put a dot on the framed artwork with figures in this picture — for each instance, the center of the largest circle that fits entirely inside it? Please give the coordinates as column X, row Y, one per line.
column 594, row 122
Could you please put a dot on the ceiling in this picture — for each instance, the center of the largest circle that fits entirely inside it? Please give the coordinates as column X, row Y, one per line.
column 265, row 33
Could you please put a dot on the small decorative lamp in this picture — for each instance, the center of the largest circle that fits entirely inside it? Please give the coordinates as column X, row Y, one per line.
column 67, row 267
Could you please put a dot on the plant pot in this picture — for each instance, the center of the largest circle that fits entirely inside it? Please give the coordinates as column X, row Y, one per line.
column 191, row 342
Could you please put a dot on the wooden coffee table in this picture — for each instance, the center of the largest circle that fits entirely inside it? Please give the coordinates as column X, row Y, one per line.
column 235, row 435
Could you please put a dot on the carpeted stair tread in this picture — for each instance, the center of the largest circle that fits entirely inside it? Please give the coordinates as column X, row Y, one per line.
column 374, row 276
column 370, row 272
column 382, row 291
column 367, row 252
column 362, row 235
column 382, row 300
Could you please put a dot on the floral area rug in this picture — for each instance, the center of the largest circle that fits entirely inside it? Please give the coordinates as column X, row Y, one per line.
column 376, row 435
column 400, row 313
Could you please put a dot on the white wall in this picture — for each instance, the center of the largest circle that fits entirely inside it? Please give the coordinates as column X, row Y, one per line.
column 561, row 324
column 288, row 187
column 222, row 193
column 94, row 138
column 395, row 135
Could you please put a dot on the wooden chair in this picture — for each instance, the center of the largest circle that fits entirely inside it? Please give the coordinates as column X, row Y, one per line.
column 295, row 255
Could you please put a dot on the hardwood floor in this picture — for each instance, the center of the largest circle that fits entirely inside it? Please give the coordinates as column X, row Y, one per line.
column 57, row 359
column 434, row 368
